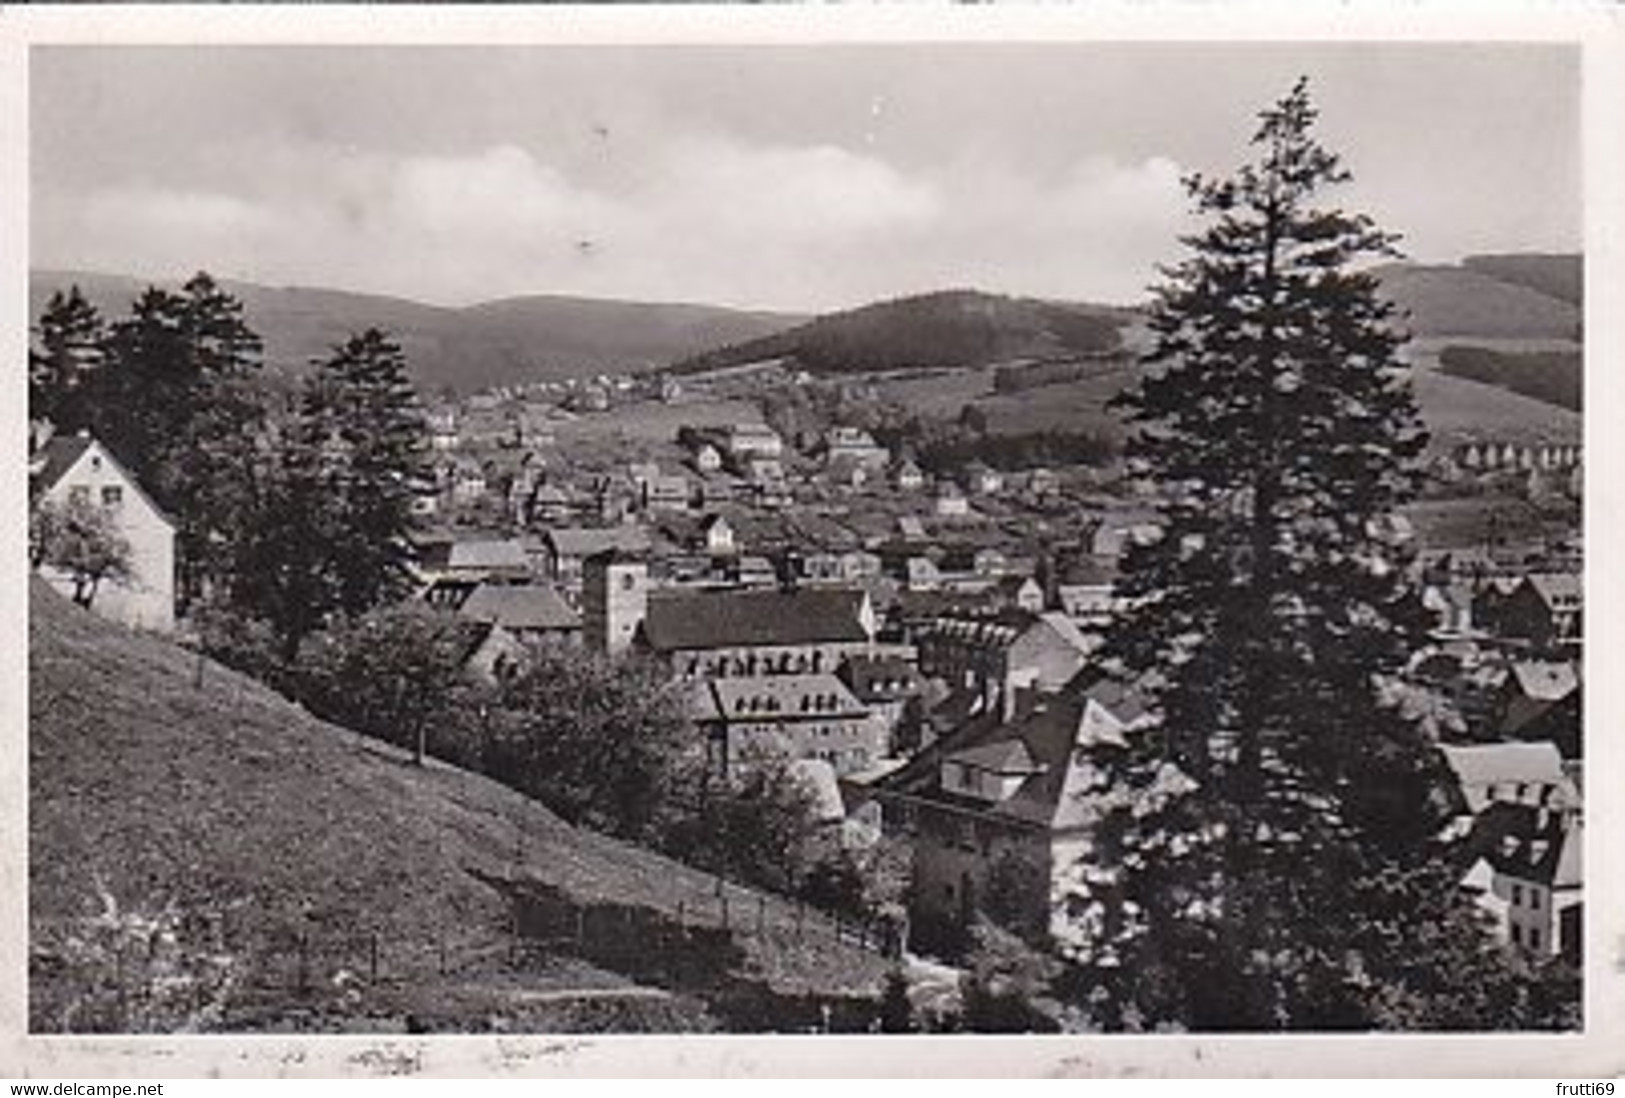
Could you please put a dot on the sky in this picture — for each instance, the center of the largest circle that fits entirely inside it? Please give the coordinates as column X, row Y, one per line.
column 790, row 177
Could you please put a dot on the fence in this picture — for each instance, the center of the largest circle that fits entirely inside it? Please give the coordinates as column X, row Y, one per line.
column 237, row 972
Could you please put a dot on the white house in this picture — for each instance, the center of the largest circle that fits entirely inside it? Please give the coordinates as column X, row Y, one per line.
column 80, row 470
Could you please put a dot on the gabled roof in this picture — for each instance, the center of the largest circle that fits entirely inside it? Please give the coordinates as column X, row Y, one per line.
column 999, row 757
column 1536, row 766
column 51, row 462
column 584, row 541
column 1059, row 793
column 1545, row 681
column 520, row 607
column 481, row 553
column 1066, row 629
column 1529, row 843
column 56, row 457
column 808, row 615
column 1554, row 587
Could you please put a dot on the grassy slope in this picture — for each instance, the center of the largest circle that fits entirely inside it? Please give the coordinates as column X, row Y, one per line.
column 1454, row 409
column 1455, row 301
column 144, row 783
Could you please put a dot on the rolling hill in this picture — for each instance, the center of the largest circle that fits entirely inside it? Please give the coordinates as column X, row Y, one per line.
column 393, row 895
column 1492, row 299
column 950, row 328
column 1556, row 275
column 521, row 339
column 1455, row 410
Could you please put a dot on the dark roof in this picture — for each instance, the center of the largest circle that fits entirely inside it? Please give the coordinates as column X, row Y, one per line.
column 754, row 618
column 1056, row 795
column 1529, row 843
column 778, row 697
column 585, row 541
column 56, row 457
column 520, row 607
column 51, row 462
column 881, row 678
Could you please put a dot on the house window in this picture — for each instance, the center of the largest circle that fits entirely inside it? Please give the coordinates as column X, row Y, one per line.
column 1534, row 899
column 112, row 495
column 1517, row 895
column 1534, row 938
column 79, row 494
column 1517, row 934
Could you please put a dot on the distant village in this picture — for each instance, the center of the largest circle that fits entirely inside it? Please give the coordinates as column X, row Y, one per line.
column 915, row 645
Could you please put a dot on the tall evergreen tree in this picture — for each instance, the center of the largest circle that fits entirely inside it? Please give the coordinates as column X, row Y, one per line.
column 370, row 428
column 60, row 371
column 177, row 402
column 1269, row 856
column 284, row 571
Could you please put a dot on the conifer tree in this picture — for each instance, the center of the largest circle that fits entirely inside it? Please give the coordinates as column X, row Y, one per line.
column 60, row 371
column 370, row 429
column 176, row 401
column 1269, row 855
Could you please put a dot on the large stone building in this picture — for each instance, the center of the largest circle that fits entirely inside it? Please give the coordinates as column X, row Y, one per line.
column 999, row 813
column 760, row 718
column 721, row 634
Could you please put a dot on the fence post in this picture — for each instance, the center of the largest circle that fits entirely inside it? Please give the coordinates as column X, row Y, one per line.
column 724, row 900
column 123, row 1002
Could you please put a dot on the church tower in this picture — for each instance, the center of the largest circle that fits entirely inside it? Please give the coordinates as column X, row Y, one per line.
column 615, row 600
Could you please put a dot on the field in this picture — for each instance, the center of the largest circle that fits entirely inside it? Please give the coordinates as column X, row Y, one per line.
column 941, row 394
column 348, row 888
column 1455, row 409
column 653, row 421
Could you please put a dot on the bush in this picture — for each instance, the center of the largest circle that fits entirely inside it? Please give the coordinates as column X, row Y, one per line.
column 598, row 740
column 134, row 969
column 759, row 829
column 395, row 673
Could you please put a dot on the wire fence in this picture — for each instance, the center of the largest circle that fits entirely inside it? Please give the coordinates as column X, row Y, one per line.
column 232, row 970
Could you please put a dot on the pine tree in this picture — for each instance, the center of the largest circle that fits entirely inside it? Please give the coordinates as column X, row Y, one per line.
column 1269, row 856
column 370, row 428
column 284, row 570
column 60, row 371
column 176, row 401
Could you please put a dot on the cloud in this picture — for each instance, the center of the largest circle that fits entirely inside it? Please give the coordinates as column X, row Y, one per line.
column 817, row 192
column 701, row 217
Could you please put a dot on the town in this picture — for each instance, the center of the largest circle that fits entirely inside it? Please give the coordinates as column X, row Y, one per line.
column 917, row 647
column 957, row 662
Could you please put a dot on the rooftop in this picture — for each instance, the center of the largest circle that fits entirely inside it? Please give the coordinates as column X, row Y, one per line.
column 740, row 619
column 520, row 607
column 778, row 697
